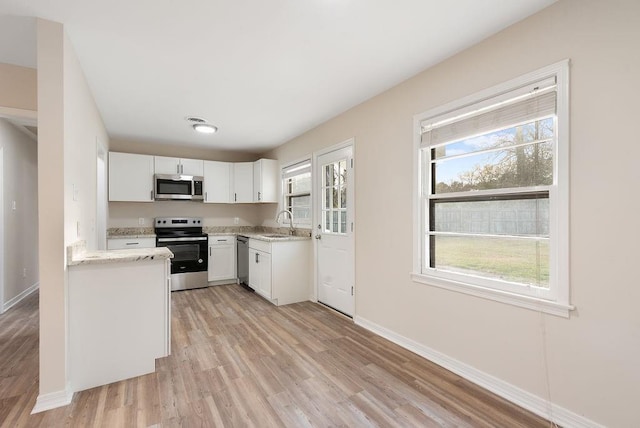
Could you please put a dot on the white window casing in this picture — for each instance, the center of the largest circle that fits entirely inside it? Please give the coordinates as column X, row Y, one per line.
column 526, row 100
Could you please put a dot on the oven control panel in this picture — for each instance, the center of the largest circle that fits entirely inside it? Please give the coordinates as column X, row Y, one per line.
column 177, row 222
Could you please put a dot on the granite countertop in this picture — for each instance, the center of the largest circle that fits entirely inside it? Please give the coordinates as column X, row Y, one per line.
column 255, row 232
column 267, row 237
column 77, row 255
column 136, row 236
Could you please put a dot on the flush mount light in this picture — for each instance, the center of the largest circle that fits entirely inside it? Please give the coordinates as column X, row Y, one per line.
column 195, row 119
column 204, row 128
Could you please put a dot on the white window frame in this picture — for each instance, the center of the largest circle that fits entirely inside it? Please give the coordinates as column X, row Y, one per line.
column 299, row 223
column 555, row 301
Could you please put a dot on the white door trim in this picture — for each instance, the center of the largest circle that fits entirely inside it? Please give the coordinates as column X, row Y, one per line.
column 315, row 203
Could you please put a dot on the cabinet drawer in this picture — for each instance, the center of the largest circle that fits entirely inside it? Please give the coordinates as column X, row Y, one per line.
column 222, row 240
column 128, row 243
column 260, row 245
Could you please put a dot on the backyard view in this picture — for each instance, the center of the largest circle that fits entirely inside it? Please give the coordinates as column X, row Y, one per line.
column 489, row 206
column 514, row 260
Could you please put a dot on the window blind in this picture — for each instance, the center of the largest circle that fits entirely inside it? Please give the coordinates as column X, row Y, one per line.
column 538, row 102
column 296, row 169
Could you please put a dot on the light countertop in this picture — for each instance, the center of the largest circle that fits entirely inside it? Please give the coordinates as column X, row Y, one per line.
column 77, row 255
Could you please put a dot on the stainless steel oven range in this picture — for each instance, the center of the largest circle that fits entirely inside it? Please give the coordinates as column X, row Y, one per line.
column 184, row 237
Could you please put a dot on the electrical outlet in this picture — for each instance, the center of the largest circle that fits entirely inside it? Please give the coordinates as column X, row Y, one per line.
column 13, row 205
column 24, row 272
column 236, row 220
column 140, row 221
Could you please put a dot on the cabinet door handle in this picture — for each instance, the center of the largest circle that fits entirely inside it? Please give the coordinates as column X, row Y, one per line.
column 209, row 251
column 132, row 243
column 151, row 195
column 235, row 197
column 257, row 259
column 258, row 195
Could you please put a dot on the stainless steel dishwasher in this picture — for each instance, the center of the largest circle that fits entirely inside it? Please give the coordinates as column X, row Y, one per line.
column 243, row 260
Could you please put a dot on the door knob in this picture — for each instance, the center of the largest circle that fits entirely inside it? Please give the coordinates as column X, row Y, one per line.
column 318, row 236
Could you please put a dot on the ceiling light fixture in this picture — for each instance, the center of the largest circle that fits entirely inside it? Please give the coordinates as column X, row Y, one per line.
column 205, row 128
column 194, row 119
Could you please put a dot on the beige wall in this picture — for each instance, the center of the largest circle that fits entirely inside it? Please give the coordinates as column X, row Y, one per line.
column 53, row 370
column 126, row 214
column 83, row 131
column 152, row 148
column 18, row 87
column 20, row 232
column 592, row 358
column 69, row 129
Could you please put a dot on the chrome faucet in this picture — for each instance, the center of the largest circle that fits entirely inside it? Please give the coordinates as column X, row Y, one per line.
column 291, row 231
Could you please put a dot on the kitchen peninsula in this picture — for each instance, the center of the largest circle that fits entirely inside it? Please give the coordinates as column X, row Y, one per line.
column 119, row 306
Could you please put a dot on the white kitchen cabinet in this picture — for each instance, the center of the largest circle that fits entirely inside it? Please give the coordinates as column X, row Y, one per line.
column 242, row 182
column 130, row 177
column 279, row 270
column 222, row 258
column 265, row 180
column 217, row 182
column 169, row 165
column 119, row 320
column 260, row 272
column 129, row 243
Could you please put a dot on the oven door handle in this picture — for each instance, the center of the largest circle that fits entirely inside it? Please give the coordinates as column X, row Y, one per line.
column 201, row 238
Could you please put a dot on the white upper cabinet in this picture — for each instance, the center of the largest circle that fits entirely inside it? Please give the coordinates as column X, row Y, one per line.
column 242, row 182
column 217, row 182
column 169, row 165
column 130, row 177
column 265, row 180
column 192, row 167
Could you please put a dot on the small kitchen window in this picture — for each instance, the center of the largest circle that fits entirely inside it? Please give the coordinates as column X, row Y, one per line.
column 492, row 204
column 296, row 186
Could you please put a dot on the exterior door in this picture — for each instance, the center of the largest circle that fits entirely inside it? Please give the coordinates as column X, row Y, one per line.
column 334, row 230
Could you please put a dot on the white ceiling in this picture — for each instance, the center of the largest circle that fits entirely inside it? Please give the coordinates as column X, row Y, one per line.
column 263, row 71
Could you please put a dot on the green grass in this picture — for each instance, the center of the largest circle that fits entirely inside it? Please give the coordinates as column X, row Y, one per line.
column 516, row 260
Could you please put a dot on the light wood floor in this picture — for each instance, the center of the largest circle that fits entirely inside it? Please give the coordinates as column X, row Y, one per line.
column 239, row 361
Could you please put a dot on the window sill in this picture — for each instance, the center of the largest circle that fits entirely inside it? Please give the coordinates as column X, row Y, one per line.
column 541, row 305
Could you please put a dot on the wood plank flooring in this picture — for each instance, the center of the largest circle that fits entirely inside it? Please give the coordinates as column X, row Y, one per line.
column 239, row 361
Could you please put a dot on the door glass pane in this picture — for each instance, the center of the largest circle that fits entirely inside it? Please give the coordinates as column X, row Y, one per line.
column 342, row 166
column 335, row 197
column 343, row 222
column 328, row 177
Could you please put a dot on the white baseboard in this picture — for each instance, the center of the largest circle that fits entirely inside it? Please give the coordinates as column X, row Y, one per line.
column 14, row 301
column 52, row 400
column 522, row 398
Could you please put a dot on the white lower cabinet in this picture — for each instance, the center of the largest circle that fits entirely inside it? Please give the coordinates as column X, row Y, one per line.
column 222, row 258
column 260, row 272
column 279, row 270
column 119, row 320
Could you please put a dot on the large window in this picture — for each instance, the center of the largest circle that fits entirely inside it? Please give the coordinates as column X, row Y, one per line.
column 492, row 204
column 296, row 185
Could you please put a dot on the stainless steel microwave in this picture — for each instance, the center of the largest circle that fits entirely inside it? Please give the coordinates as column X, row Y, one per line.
column 178, row 187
